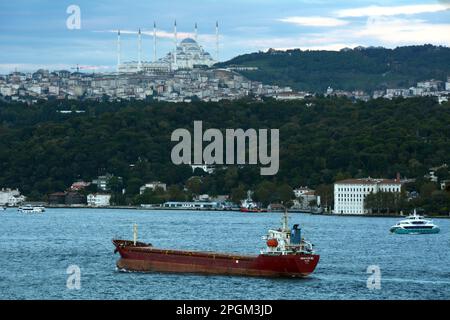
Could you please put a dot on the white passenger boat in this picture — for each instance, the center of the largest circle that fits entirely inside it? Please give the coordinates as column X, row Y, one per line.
column 31, row 209
column 414, row 224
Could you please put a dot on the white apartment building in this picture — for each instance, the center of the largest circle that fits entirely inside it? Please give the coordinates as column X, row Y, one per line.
column 349, row 195
column 98, row 200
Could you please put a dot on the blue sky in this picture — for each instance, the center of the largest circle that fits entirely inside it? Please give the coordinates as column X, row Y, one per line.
column 33, row 33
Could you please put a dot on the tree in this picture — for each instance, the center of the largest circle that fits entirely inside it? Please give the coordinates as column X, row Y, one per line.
column 265, row 193
column 326, row 193
column 194, row 185
column 239, row 193
column 174, row 193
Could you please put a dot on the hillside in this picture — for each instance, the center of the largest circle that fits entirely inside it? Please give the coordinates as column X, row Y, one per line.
column 368, row 69
column 42, row 151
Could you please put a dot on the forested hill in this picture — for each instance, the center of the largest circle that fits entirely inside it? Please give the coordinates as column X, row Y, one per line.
column 367, row 69
column 321, row 140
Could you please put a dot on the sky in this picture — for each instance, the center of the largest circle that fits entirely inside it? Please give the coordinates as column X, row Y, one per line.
column 34, row 33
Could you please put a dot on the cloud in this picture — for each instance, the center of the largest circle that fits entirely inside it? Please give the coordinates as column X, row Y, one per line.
column 307, row 42
column 372, row 11
column 162, row 34
column 159, row 33
column 397, row 31
column 327, row 47
column 314, row 21
column 31, row 67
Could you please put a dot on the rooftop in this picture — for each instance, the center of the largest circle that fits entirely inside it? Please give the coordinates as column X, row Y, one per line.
column 369, row 181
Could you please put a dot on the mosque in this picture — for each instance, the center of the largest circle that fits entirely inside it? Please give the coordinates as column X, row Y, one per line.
column 187, row 55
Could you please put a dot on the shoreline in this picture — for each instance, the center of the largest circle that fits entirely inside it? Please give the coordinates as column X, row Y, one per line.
column 139, row 208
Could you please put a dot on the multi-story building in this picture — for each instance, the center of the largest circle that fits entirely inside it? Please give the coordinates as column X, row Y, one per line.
column 102, row 182
column 350, row 194
column 11, row 197
column 98, row 200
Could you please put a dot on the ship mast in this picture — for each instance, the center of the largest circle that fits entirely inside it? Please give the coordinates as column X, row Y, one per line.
column 285, row 220
column 135, row 233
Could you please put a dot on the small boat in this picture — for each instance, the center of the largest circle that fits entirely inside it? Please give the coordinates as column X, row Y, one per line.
column 286, row 254
column 2, row 208
column 31, row 209
column 248, row 205
column 415, row 224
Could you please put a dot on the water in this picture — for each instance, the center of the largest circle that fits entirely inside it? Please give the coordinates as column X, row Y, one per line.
column 36, row 250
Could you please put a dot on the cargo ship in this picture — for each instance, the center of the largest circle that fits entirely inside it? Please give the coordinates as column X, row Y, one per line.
column 286, row 254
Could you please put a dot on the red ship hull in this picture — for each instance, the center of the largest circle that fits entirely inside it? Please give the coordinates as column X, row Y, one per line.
column 145, row 258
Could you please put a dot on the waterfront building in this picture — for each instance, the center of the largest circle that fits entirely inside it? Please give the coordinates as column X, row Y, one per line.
column 98, row 200
column 75, row 198
column 57, row 198
column 195, row 205
column 350, row 194
column 11, row 197
column 153, row 186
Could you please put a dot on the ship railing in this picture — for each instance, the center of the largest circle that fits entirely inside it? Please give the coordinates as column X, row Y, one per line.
column 304, row 247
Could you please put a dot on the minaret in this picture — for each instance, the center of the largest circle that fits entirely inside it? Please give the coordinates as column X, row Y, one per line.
column 154, row 41
column 196, row 33
column 176, row 44
column 118, row 50
column 217, row 40
column 139, row 50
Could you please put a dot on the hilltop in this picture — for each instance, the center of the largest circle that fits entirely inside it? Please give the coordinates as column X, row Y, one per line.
column 368, row 69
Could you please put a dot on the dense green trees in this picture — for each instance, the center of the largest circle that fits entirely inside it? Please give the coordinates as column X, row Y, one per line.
column 42, row 151
column 386, row 202
column 368, row 69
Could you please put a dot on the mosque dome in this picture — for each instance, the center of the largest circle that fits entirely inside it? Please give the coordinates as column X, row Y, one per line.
column 189, row 41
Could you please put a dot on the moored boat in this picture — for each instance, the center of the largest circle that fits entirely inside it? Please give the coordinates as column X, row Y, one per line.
column 286, row 255
column 415, row 224
column 31, row 209
column 248, row 205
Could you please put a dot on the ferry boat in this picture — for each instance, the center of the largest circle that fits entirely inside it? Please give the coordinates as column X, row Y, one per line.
column 31, row 209
column 414, row 224
column 286, row 254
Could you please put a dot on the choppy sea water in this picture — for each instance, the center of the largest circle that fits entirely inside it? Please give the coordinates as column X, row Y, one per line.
column 36, row 250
